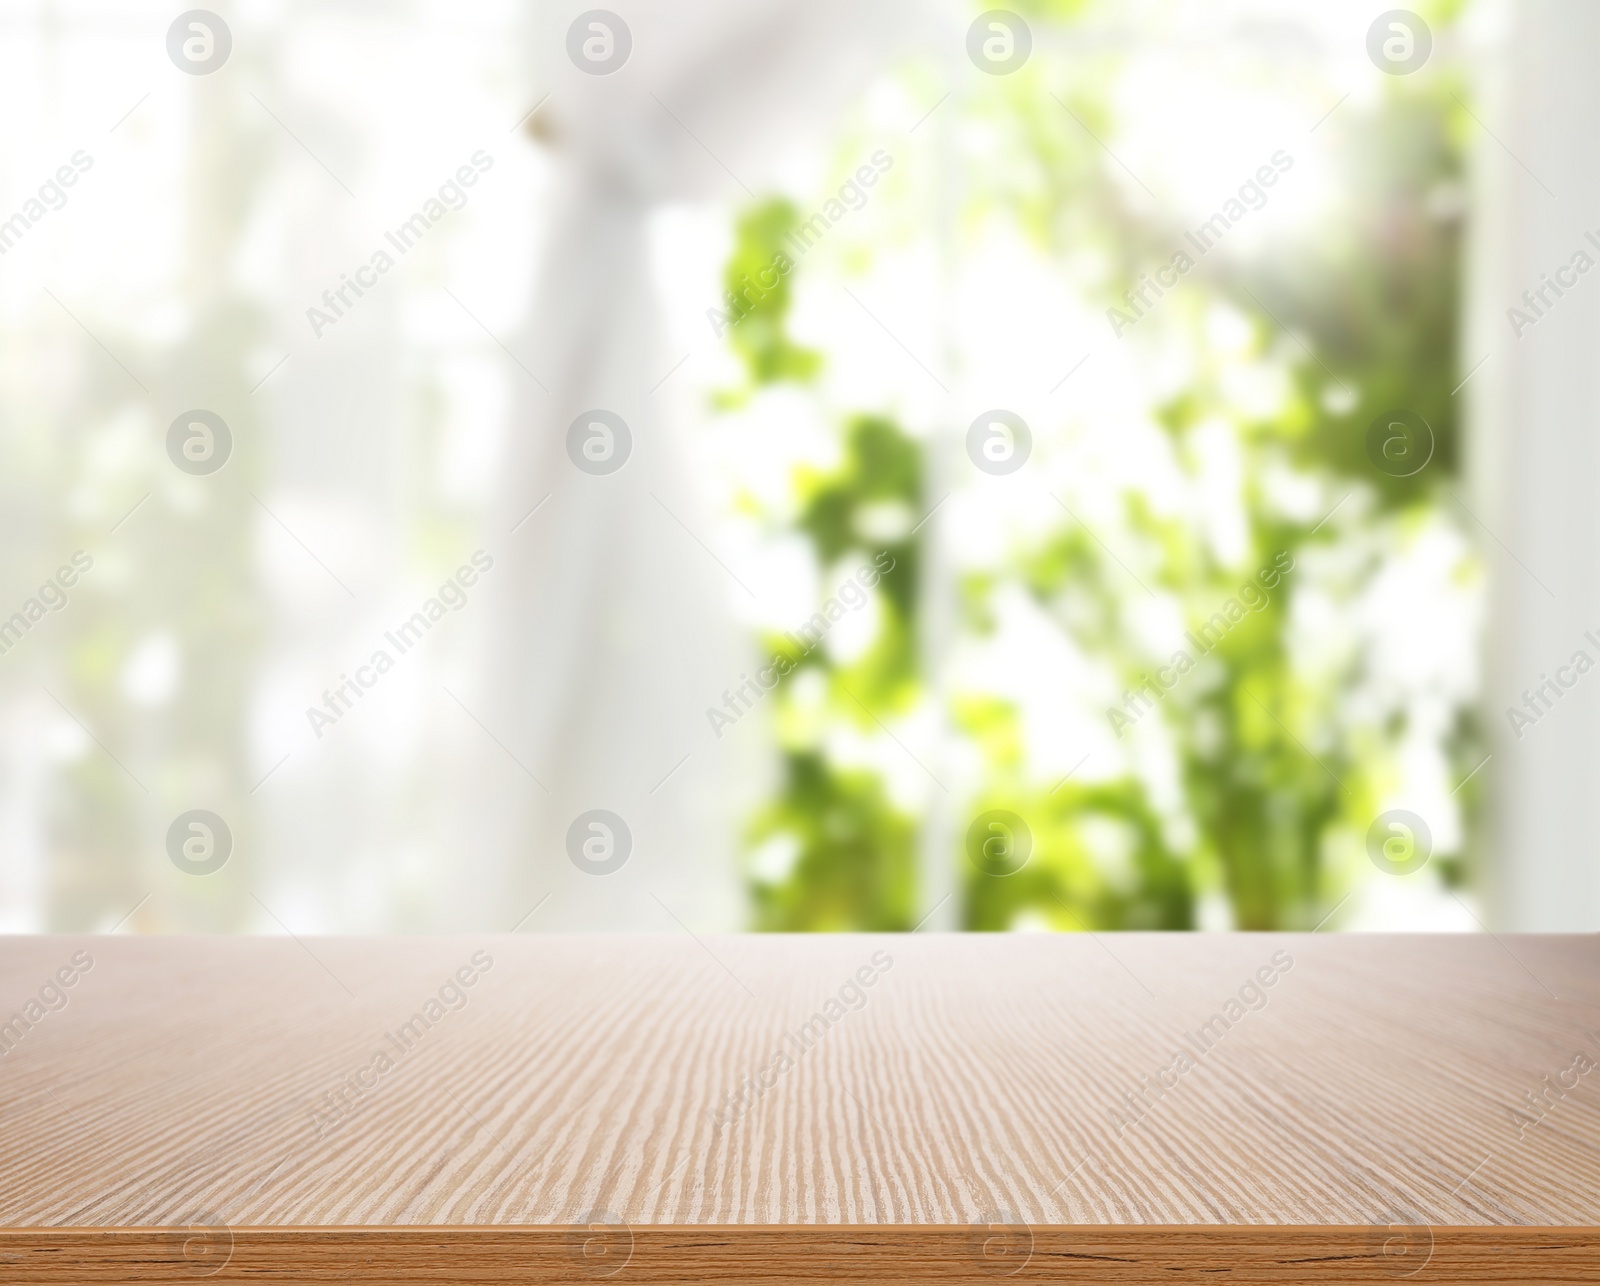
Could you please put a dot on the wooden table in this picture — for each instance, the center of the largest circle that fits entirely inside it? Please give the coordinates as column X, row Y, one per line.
column 1128, row 1108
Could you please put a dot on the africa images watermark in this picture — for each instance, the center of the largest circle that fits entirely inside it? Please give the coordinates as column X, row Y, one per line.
column 339, row 1102
column 851, row 996
column 1536, row 1105
column 1252, row 196
column 51, row 597
column 852, row 596
column 1539, row 702
column 52, row 196
column 338, row 701
column 1537, row 299
column 852, row 195
column 1252, row 995
column 1136, row 702
column 51, row 997
column 451, row 195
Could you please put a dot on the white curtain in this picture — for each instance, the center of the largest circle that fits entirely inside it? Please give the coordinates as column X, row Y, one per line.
column 1536, row 463
column 616, row 634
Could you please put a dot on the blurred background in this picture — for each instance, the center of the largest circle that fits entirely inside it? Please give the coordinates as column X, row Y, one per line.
column 712, row 466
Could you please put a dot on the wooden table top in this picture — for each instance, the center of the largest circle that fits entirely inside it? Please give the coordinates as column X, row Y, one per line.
column 861, row 1089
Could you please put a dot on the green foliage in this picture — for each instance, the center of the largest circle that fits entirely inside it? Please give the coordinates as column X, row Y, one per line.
column 1269, row 767
column 1098, row 858
column 757, row 296
column 857, row 851
column 853, row 851
column 1379, row 303
column 854, row 870
column 882, row 466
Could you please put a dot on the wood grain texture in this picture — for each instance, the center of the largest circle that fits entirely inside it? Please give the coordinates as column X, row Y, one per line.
column 976, row 1097
column 662, row 1255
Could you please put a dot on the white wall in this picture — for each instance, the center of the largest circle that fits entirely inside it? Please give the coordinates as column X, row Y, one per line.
column 1535, row 460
